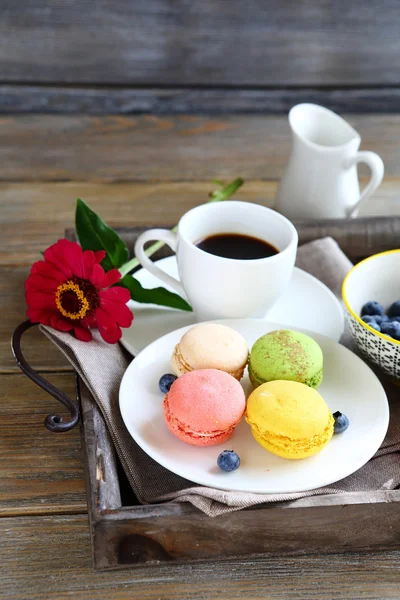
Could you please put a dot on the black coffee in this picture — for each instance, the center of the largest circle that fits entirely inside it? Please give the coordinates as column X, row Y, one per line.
column 236, row 245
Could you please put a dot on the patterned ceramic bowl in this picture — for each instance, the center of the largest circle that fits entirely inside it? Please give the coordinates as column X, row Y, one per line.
column 375, row 278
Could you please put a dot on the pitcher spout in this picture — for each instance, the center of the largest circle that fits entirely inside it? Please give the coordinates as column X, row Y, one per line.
column 319, row 127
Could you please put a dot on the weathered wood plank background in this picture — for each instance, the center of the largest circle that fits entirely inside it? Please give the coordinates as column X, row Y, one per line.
column 40, row 472
column 180, row 56
column 175, row 148
column 26, row 542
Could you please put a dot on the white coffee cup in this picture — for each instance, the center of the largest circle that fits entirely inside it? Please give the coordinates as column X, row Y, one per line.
column 218, row 287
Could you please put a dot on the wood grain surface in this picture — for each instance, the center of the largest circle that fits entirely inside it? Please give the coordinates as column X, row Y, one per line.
column 41, row 472
column 101, row 100
column 42, row 211
column 49, row 557
column 172, row 533
column 179, row 148
column 218, row 42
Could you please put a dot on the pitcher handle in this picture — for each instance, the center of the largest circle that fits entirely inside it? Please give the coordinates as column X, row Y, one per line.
column 375, row 163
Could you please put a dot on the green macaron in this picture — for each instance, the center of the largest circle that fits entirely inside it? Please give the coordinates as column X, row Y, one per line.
column 286, row 355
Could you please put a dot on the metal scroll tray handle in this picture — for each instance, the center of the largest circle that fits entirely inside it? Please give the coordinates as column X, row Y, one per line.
column 53, row 422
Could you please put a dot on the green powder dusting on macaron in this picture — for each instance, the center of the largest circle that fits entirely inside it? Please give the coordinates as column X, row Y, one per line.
column 286, row 355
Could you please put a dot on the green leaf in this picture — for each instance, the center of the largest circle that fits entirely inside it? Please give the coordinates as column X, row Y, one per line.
column 159, row 295
column 94, row 234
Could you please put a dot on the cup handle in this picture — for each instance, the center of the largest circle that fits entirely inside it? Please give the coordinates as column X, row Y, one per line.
column 375, row 163
column 171, row 239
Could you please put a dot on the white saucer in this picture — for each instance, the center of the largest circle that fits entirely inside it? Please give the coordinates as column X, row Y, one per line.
column 307, row 303
column 349, row 385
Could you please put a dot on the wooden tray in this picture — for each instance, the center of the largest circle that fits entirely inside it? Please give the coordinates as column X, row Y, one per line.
column 125, row 533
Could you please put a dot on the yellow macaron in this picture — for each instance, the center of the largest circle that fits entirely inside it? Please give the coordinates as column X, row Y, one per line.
column 289, row 419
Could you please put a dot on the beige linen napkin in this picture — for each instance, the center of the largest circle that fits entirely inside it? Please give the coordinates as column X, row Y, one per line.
column 101, row 366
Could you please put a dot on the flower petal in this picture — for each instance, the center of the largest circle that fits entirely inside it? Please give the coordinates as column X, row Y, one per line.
column 60, row 324
column 48, row 270
column 111, row 277
column 90, row 321
column 117, row 311
column 40, row 300
column 116, row 294
column 88, row 260
column 74, row 257
column 39, row 316
column 43, row 284
column 83, row 334
column 99, row 255
column 109, row 330
column 97, row 277
column 55, row 255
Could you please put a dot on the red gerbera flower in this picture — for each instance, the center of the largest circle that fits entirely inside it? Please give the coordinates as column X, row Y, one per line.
column 70, row 291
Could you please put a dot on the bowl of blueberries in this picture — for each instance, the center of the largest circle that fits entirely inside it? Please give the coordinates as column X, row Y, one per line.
column 371, row 295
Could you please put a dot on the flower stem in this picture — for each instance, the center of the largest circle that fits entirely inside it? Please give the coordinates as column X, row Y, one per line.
column 216, row 196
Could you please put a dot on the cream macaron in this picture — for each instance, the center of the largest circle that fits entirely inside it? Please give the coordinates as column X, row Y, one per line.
column 211, row 346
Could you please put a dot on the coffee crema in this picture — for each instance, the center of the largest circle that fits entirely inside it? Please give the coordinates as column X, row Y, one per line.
column 237, row 246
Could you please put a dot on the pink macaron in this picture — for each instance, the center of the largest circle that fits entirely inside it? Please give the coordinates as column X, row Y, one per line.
column 203, row 407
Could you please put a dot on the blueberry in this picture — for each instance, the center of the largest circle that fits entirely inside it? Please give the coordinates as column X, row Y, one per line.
column 381, row 319
column 394, row 319
column 372, row 308
column 394, row 310
column 391, row 328
column 166, row 381
column 341, row 422
column 371, row 321
column 228, row 460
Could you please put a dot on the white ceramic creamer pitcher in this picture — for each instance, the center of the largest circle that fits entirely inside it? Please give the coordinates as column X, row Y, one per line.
column 321, row 179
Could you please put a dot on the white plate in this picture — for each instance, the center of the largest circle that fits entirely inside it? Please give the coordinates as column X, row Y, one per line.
column 307, row 303
column 349, row 385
